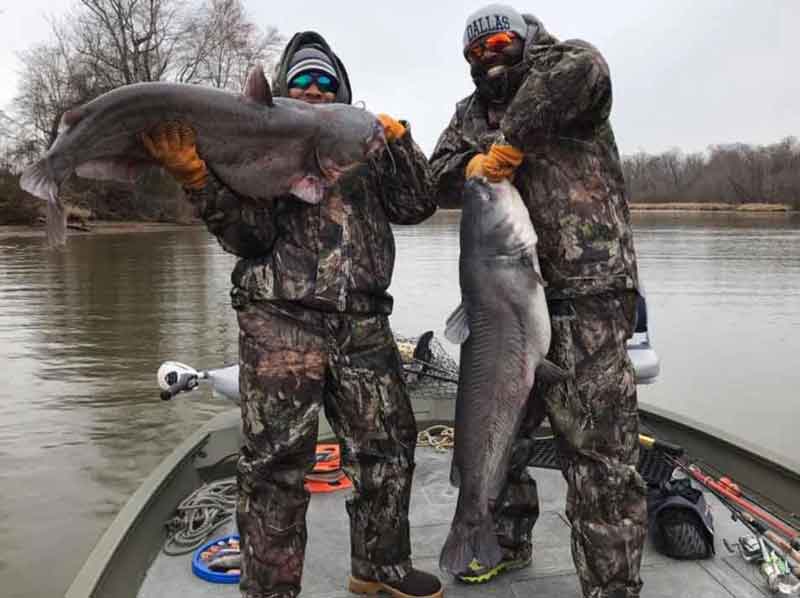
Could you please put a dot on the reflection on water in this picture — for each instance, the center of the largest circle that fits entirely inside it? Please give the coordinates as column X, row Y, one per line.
column 725, row 295
column 83, row 331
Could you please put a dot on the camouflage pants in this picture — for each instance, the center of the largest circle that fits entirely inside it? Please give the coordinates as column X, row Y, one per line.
column 595, row 421
column 293, row 362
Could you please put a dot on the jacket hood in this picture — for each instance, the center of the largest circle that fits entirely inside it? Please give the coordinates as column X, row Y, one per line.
column 537, row 35
column 280, row 86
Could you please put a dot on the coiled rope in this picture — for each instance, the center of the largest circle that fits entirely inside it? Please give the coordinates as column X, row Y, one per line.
column 440, row 437
column 202, row 512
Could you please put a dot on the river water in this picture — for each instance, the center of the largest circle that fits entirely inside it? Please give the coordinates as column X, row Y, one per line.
column 82, row 333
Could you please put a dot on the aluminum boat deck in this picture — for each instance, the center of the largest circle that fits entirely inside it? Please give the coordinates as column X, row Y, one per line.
column 551, row 575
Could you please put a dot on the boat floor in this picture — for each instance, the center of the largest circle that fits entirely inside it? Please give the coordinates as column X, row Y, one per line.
column 551, row 575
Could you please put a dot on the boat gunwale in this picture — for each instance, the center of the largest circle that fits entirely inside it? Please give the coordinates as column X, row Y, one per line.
column 95, row 569
column 782, row 465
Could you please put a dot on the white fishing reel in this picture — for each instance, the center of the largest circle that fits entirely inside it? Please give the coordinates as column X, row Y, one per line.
column 174, row 377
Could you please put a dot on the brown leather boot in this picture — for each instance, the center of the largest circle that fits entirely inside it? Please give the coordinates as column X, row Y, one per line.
column 417, row 584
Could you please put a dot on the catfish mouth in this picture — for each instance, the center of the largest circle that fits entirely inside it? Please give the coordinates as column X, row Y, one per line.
column 374, row 144
column 480, row 187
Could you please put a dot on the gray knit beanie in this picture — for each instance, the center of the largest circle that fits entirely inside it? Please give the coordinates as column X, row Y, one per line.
column 310, row 59
column 493, row 18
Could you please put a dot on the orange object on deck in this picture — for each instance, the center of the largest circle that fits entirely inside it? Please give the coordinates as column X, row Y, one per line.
column 329, row 458
column 327, row 475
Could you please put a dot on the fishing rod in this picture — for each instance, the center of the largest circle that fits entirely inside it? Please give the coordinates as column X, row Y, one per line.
column 433, row 366
column 728, row 483
column 750, row 520
column 430, row 375
column 649, row 442
column 736, row 489
column 777, row 562
column 788, row 532
column 776, row 565
column 777, row 543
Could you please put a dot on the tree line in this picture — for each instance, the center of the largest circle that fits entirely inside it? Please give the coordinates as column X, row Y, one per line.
column 103, row 44
column 734, row 174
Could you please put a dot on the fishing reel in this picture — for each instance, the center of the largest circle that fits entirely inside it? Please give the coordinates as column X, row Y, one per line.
column 776, row 573
column 773, row 568
column 750, row 549
column 175, row 377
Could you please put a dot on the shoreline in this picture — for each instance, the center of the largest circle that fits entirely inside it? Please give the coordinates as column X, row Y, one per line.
column 748, row 208
column 103, row 227
column 692, row 208
column 106, row 227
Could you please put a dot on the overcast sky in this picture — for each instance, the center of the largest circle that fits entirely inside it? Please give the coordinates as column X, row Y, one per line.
column 685, row 73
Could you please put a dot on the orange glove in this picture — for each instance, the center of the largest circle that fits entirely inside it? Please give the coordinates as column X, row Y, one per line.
column 475, row 166
column 393, row 129
column 499, row 163
column 173, row 145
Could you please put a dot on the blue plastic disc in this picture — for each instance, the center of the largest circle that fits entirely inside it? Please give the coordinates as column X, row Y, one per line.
column 200, row 568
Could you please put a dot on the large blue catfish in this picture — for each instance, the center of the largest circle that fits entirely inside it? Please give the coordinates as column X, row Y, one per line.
column 504, row 326
column 258, row 146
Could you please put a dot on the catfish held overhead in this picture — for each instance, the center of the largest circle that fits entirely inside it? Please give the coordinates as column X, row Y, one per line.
column 258, row 146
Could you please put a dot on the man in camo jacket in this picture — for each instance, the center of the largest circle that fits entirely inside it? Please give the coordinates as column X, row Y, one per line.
column 539, row 117
column 311, row 300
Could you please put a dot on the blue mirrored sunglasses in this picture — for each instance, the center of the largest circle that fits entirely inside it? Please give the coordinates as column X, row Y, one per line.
column 324, row 82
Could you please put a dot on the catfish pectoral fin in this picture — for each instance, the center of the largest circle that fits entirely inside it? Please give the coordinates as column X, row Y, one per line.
column 457, row 326
column 549, row 372
column 310, row 189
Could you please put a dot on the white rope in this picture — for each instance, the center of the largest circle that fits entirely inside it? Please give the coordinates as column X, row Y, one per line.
column 199, row 514
column 440, row 437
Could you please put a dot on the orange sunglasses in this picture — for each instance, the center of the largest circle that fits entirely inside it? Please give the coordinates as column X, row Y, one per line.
column 496, row 42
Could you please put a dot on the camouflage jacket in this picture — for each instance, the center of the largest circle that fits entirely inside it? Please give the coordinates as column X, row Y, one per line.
column 571, row 179
column 337, row 255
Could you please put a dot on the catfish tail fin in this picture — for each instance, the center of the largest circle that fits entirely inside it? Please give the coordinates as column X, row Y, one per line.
column 39, row 181
column 469, row 546
column 56, row 223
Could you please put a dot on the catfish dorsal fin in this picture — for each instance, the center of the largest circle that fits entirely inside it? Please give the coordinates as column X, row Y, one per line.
column 257, row 87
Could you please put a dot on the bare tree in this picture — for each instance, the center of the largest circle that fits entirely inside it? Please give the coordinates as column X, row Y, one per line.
column 103, row 44
column 6, row 125
column 636, row 172
column 220, row 44
column 742, row 170
column 127, row 41
column 53, row 80
column 680, row 172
